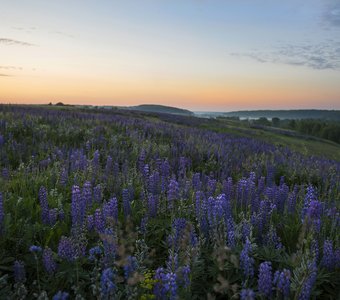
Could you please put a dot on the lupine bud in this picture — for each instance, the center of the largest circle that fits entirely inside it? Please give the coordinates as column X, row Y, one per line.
column 247, row 294
column 247, row 262
column 19, row 271
column 328, row 255
column 309, row 282
column 107, row 283
column 48, row 261
column 67, row 249
column 265, row 279
column 44, row 205
column 282, row 282
column 60, row 296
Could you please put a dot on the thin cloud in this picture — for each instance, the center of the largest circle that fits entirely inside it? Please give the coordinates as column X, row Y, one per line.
column 63, row 34
column 331, row 16
column 320, row 56
column 10, row 42
column 5, row 75
column 10, row 68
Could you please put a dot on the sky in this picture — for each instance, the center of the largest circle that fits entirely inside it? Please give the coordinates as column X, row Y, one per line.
column 202, row 55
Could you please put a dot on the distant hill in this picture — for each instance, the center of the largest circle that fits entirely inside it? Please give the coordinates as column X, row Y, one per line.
column 161, row 109
column 287, row 114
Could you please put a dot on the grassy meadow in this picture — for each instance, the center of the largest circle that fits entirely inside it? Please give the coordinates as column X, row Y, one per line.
column 118, row 204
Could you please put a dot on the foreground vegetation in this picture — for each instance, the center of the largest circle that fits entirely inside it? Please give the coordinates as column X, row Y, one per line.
column 125, row 205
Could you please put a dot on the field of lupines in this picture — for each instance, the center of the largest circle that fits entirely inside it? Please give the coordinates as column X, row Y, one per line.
column 99, row 204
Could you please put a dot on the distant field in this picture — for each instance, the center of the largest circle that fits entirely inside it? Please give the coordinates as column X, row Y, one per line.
column 304, row 144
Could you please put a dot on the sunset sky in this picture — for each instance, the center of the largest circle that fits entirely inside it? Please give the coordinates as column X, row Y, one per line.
column 200, row 55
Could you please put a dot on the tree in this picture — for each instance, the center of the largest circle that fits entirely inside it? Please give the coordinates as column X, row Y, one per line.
column 276, row 122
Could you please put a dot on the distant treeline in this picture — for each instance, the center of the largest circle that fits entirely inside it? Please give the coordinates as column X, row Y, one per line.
column 324, row 129
column 288, row 114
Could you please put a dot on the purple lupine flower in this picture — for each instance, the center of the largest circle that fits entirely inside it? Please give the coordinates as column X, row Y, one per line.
column 186, row 276
column 53, row 216
column 2, row 213
column 60, row 296
column 108, row 166
column 115, row 169
column 154, row 184
column 224, row 201
column 178, row 228
column 126, row 202
column 337, row 258
column 130, row 267
column 270, row 175
column 99, row 222
column 246, row 261
column 165, row 169
column 19, row 271
column 265, row 279
column 265, row 212
column 5, row 173
column 87, row 193
column 166, row 286
column 255, row 204
column 315, row 249
column 281, row 196
column 314, row 209
column 171, row 285
column 109, row 246
column 231, row 239
column 146, row 172
column 193, row 238
column 49, row 263
column 44, row 205
column 172, row 264
column 228, row 187
column 173, row 192
column 309, row 282
column 272, row 239
column 309, row 197
column 141, row 160
column 247, row 294
column 94, row 253
column 67, row 249
column 182, row 167
column 78, row 207
column 196, row 182
column 215, row 211
column 107, row 283
column 152, row 205
column 63, row 177
column 143, row 225
column 211, row 186
column 261, row 185
column 97, row 193
column 282, row 282
column 110, row 210
column 159, row 290
column 90, row 222
column 292, row 200
column 246, row 190
column 328, row 255
column 35, row 249
column 230, row 224
column 246, row 229
column 61, row 214
column 199, row 199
